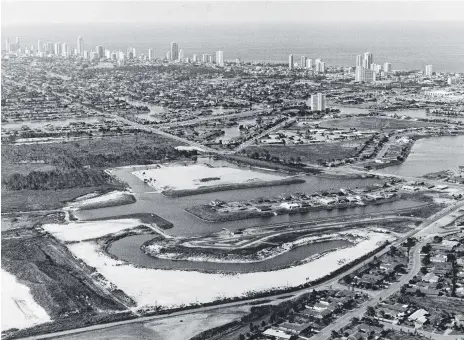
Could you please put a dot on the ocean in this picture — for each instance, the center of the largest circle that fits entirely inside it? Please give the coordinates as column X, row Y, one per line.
column 407, row 45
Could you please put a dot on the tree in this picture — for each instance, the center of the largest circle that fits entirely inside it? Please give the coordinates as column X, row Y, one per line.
column 370, row 311
column 241, row 337
column 426, row 249
column 426, row 260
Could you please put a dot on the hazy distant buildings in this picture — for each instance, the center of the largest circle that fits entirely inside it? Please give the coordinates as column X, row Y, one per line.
column 80, row 46
column 318, row 102
column 290, row 61
column 368, row 59
column 220, row 58
column 303, row 61
column 64, row 50
column 387, row 67
column 100, row 51
column 57, row 49
column 452, row 80
column 181, row 55
column 319, row 66
column 428, row 70
column 195, row 58
column 150, row 54
column 94, row 56
column 309, row 63
column 168, row 55
column 174, row 51
column 365, row 68
column 359, row 60
column 365, row 75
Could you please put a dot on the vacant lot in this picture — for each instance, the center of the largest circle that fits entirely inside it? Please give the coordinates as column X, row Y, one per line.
column 313, row 153
column 374, row 123
column 58, row 283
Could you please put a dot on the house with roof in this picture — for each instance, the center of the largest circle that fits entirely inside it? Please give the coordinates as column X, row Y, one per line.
column 419, row 317
column 277, row 334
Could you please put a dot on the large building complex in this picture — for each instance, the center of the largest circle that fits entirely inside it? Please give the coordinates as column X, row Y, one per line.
column 365, row 68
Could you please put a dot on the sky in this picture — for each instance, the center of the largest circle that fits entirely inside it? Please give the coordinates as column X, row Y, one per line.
column 17, row 12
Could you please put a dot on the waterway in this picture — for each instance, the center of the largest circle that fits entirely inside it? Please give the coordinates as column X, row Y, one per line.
column 431, row 155
column 128, row 249
column 185, row 224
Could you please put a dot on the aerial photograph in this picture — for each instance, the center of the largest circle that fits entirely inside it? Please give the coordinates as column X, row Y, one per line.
column 232, row 170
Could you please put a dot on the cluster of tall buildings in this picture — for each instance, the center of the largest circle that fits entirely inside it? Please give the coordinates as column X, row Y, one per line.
column 317, row 102
column 318, row 66
column 60, row 49
column 177, row 54
column 367, row 71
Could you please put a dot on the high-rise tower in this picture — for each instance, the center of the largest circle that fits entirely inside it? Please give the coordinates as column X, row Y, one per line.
column 80, row 46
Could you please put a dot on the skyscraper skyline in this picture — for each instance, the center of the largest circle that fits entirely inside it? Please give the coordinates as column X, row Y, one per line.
column 290, row 61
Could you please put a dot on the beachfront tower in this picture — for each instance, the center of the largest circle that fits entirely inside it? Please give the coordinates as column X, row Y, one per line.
column 290, row 61
column 174, row 51
column 220, row 58
column 80, row 46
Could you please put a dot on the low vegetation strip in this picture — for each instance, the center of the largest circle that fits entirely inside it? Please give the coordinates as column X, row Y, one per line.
column 146, row 218
column 111, row 199
column 224, row 187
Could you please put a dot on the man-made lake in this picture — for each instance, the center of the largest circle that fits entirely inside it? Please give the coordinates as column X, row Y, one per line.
column 128, row 249
column 185, row 224
column 431, row 155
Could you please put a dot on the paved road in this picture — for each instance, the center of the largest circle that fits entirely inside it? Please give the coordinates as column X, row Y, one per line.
column 426, row 229
column 262, row 134
column 209, row 118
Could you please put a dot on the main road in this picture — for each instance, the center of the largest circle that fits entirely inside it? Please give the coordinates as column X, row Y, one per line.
column 426, row 229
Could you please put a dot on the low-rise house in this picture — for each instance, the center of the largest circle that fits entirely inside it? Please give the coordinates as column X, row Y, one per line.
column 439, row 258
column 276, row 334
column 419, row 317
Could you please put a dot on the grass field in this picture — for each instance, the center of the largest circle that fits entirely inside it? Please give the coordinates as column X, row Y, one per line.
column 374, row 123
column 312, row 153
